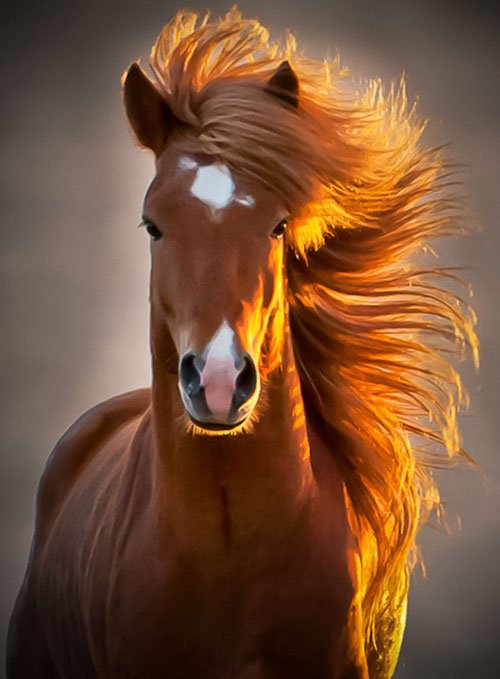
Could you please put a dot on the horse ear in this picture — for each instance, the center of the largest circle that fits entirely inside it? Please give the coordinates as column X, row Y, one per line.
column 147, row 111
column 284, row 84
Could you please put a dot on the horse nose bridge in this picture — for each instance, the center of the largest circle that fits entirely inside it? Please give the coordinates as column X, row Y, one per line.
column 218, row 284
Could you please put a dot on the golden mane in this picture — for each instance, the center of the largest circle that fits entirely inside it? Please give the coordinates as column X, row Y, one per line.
column 372, row 331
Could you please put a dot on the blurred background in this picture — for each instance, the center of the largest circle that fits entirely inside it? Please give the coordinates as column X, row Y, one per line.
column 74, row 267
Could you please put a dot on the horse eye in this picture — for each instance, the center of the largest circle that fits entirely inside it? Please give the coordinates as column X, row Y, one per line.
column 279, row 230
column 152, row 229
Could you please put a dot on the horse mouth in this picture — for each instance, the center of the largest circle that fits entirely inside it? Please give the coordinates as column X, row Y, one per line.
column 217, row 426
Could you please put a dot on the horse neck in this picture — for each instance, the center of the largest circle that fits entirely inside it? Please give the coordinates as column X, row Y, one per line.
column 221, row 490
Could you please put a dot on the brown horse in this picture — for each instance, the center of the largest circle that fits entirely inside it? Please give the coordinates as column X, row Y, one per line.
column 254, row 514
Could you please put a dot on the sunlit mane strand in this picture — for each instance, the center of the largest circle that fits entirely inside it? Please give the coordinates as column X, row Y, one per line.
column 372, row 330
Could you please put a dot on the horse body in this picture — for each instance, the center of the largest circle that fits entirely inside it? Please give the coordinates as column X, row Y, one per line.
column 253, row 515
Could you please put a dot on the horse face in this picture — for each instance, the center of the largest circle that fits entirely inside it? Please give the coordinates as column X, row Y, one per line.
column 217, row 260
column 217, row 277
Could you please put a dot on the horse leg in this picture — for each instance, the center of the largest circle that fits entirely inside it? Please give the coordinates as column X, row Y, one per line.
column 27, row 654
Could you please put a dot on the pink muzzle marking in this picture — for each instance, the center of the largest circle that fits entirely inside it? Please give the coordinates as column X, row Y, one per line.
column 218, row 378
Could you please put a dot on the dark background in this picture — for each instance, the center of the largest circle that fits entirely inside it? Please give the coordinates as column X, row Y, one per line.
column 74, row 324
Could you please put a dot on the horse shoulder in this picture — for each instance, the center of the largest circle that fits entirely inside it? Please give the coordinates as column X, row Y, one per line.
column 77, row 447
column 27, row 653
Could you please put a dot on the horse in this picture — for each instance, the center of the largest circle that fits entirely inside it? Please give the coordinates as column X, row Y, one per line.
column 254, row 514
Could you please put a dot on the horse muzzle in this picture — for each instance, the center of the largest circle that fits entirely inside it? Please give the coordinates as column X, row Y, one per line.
column 219, row 389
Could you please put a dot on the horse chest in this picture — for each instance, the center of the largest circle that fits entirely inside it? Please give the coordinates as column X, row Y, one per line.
column 182, row 614
column 134, row 603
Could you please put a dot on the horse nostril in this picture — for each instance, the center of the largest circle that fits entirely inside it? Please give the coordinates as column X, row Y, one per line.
column 246, row 382
column 189, row 375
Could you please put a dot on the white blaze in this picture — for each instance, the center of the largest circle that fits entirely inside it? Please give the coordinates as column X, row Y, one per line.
column 221, row 344
column 214, row 185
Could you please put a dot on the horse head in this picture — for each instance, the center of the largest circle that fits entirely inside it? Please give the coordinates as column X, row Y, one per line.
column 217, row 249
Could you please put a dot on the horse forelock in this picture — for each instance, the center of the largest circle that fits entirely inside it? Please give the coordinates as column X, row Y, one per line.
column 372, row 328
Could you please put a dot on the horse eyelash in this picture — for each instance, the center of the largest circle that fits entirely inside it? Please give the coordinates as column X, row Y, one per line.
column 155, row 233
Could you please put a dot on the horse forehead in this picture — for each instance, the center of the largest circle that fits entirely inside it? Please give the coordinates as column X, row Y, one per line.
column 209, row 191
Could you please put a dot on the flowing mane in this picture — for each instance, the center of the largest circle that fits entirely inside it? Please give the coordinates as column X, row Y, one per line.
column 373, row 331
